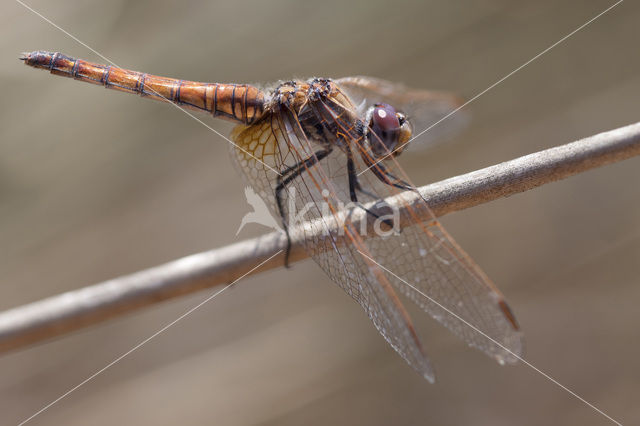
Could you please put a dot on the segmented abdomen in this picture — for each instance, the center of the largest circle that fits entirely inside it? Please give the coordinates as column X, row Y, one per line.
column 236, row 102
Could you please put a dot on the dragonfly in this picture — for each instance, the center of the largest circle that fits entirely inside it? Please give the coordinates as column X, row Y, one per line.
column 320, row 146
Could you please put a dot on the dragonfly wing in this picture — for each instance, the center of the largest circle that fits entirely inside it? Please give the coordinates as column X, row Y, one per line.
column 257, row 155
column 367, row 283
column 426, row 264
column 337, row 253
column 426, row 109
column 422, row 261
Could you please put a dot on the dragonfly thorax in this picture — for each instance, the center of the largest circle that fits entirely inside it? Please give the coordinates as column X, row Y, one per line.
column 319, row 109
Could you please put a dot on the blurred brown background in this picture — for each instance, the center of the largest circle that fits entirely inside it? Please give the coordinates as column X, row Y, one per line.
column 96, row 184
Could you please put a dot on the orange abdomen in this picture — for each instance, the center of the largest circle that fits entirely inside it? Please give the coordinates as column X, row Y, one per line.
column 236, row 102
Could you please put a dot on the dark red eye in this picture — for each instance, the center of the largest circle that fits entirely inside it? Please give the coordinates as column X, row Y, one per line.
column 385, row 128
column 384, row 117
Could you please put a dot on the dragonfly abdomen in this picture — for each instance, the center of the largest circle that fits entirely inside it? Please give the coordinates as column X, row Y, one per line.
column 236, row 102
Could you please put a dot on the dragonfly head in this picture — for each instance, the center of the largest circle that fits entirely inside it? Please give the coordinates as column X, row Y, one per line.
column 389, row 130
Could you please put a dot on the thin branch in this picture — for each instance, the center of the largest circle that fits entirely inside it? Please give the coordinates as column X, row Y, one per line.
column 61, row 314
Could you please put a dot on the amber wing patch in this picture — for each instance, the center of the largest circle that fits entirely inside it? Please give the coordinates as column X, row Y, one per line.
column 257, row 155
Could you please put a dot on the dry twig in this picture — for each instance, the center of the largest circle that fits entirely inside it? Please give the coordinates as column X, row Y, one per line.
column 61, row 314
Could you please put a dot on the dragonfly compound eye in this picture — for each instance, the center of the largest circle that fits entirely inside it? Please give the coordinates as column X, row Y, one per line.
column 390, row 130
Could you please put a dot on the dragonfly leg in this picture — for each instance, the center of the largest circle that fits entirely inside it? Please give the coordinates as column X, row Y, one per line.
column 359, row 187
column 354, row 185
column 385, row 176
column 286, row 177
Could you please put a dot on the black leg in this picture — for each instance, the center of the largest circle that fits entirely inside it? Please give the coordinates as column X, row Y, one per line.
column 354, row 185
column 360, row 189
column 291, row 173
column 386, row 177
column 353, row 179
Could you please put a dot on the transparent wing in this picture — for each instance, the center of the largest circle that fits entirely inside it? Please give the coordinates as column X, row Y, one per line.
column 422, row 261
column 423, row 107
column 426, row 264
column 428, row 267
column 276, row 142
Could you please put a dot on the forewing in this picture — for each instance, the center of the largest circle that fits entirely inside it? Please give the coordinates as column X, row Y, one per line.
column 425, row 109
column 424, row 262
column 337, row 252
column 427, row 265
